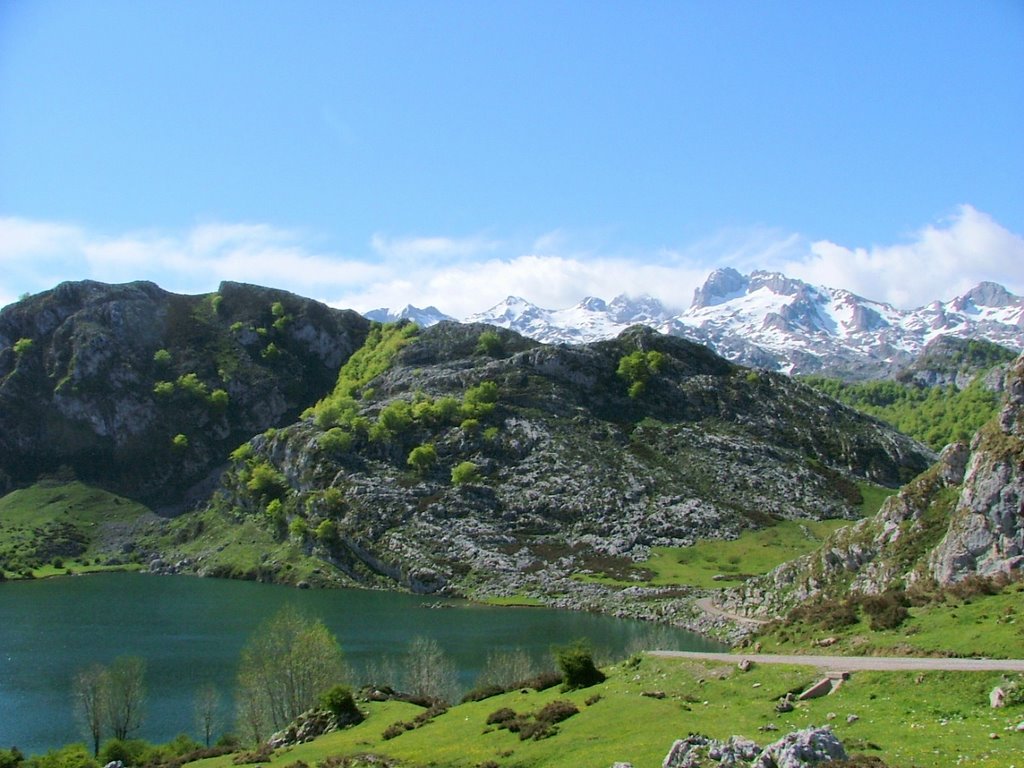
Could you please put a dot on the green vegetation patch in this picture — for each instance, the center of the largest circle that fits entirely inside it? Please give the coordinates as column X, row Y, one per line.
column 50, row 528
column 719, row 563
column 964, row 620
column 936, row 416
column 646, row 703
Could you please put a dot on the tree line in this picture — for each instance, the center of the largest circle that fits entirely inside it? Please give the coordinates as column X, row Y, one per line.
column 291, row 664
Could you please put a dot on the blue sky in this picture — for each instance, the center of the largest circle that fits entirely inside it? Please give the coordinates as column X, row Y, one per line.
column 451, row 153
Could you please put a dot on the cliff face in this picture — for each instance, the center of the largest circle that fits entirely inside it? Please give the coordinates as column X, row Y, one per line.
column 567, row 470
column 963, row 517
column 144, row 392
column 986, row 531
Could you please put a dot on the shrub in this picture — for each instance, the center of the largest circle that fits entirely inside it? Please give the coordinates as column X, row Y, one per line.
column 886, row 611
column 341, row 704
column 22, row 345
column 190, row 384
column 128, row 751
column 974, row 586
column 335, row 441
column 465, row 473
column 638, row 367
column 422, row 458
column 489, row 343
column 480, row 400
column 219, row 399
column 557, row 711
column 576, row 662
column 827, row 614
column 327, row 532
column 396, row 729
column 543, row 680
column 266, row 482
column 482, row 692
column 298, row 528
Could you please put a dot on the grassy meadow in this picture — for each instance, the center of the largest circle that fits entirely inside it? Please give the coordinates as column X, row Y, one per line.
column 905, row 719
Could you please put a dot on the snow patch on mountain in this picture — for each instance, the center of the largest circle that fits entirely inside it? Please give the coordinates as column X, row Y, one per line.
column 769, row 320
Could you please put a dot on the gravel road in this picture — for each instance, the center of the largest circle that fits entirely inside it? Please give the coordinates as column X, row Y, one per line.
column 857, row 663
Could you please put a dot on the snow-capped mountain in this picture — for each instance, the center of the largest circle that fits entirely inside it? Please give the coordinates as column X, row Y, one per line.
column 590, row 320
column 768, row 320
column 422, row 317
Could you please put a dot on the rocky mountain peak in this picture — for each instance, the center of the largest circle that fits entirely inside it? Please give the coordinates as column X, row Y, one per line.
column 989, row 294
column 719, row 287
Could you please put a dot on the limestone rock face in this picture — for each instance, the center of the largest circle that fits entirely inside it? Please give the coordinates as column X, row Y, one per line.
column 800, row 749
column 963, row 517
column 986, row 532
column 101, row 378
column 574, row 473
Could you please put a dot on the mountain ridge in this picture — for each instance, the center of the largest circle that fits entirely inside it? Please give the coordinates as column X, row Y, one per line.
column 768, row 320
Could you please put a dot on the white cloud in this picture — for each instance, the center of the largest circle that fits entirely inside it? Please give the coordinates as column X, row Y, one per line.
column 939, row 261
column 465, row 275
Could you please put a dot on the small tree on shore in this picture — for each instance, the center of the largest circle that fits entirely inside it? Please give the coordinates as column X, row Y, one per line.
column 125, row 695
column 88, row 691
column 206, row 707
column 285, row 666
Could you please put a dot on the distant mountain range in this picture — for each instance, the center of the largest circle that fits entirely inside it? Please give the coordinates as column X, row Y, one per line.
column 768, row 320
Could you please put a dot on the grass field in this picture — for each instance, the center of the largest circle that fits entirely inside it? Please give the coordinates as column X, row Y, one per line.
column 906, row 719
column 49, row 528
column 981, row 625
column 726, row 562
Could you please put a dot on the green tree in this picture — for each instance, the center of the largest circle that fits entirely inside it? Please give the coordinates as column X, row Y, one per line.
column 219, row 399
column 89, row 694
column 285, row 666
column 576, row 662
column 180, row 442
column 489, row 343
column 125, row 695
column 298, row 528
column 339, row 701
column 422, row 458
column 206, row 708
column 327, row 532
column 162, row 358
column 480, row 400
column 22, row 346
column 428, row 672
column 266, row 482
column 638, row 367
column 11, row 758
column 465, row 473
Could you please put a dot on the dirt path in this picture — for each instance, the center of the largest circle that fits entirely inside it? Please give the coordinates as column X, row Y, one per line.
column 711, row 609
column 855, row 663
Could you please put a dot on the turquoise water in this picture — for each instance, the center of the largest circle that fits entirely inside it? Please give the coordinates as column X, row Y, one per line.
column 190, row 632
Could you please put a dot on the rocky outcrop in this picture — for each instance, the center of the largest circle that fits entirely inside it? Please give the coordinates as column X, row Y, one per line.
column 986, row 531
column 963, row 517
column 144, row 392
column 572, row 474
column 800, row 749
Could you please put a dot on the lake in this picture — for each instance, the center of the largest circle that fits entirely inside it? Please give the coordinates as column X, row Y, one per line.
column 190, row 632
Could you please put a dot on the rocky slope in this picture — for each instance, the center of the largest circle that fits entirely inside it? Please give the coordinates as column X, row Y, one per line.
column 480, row 462
column 145, row 392
column 964, row 517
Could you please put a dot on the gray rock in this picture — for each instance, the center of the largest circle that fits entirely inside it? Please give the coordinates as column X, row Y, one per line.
column 811, row 746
